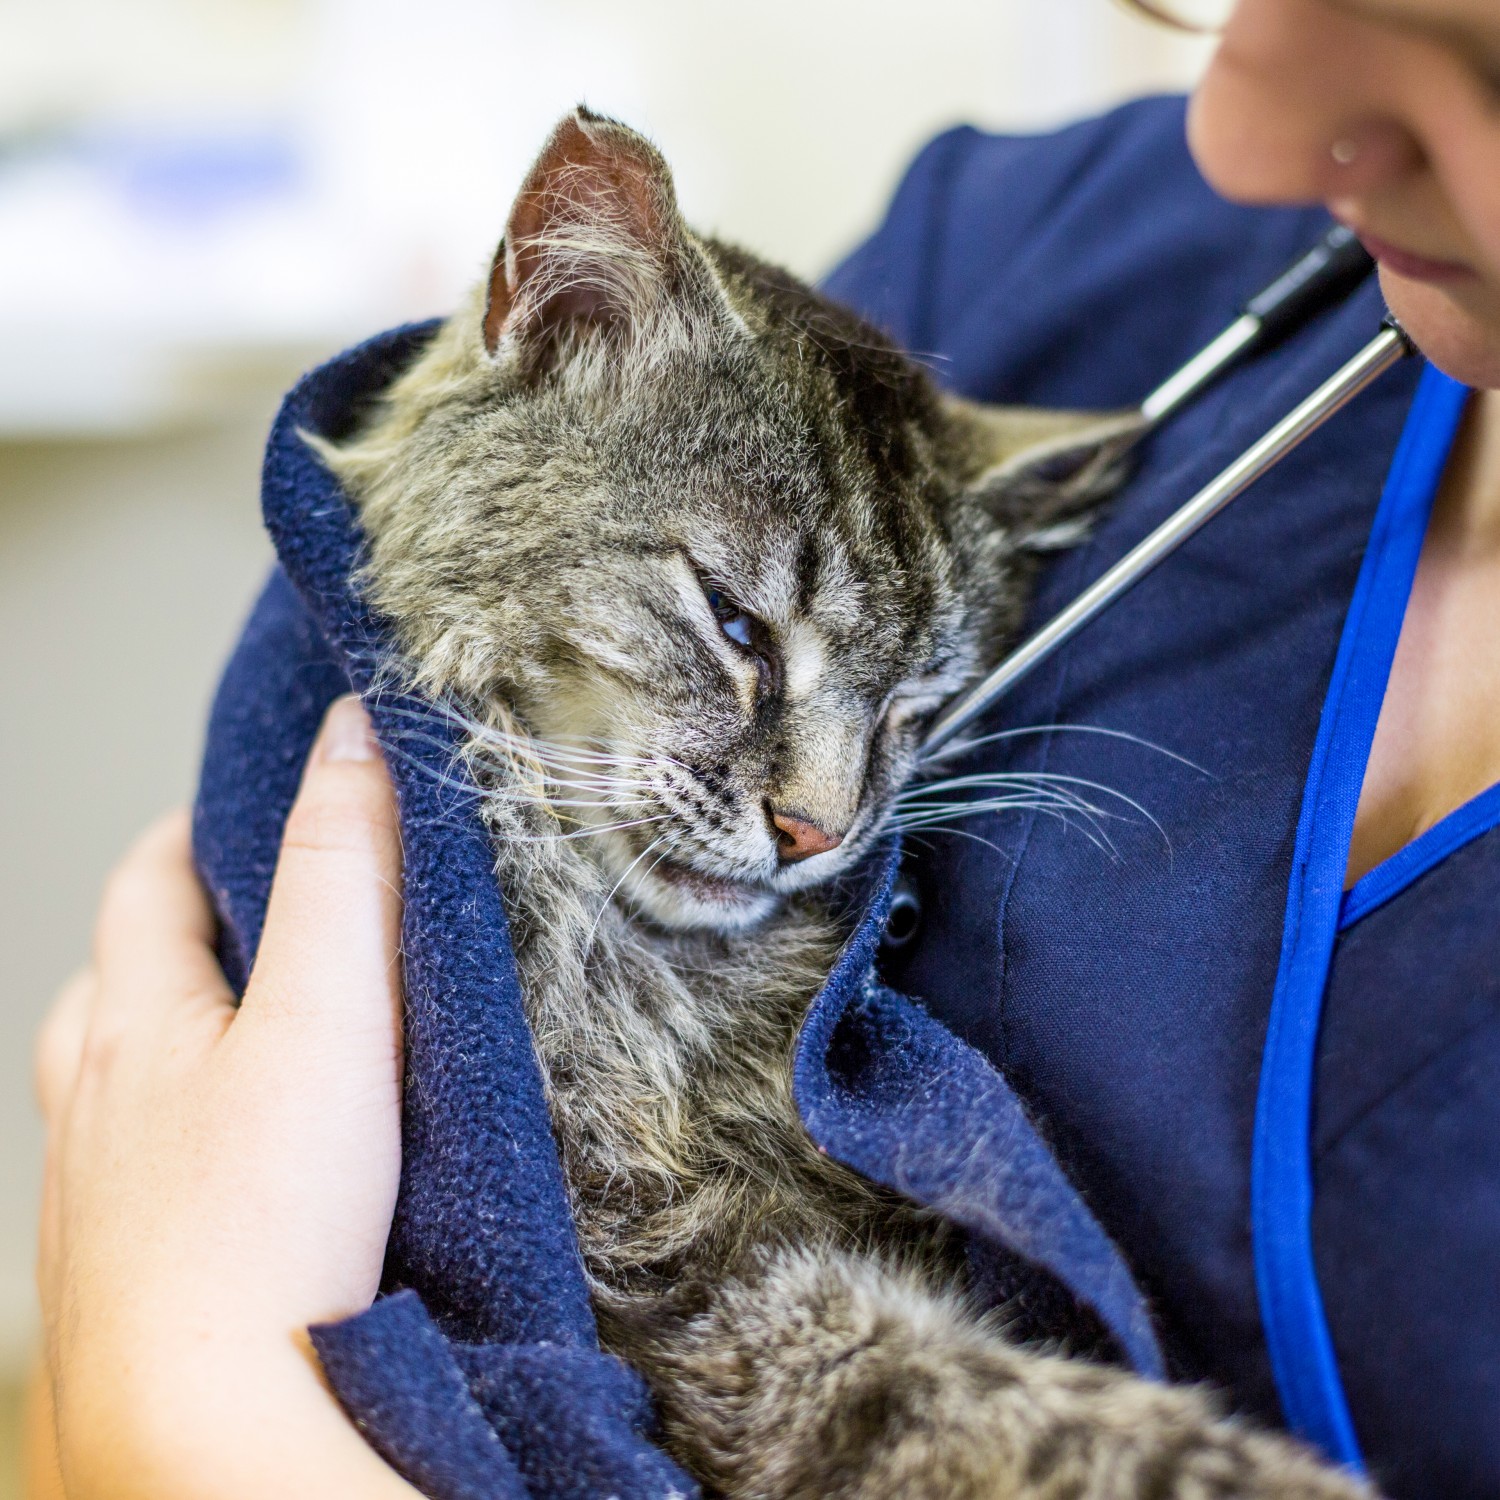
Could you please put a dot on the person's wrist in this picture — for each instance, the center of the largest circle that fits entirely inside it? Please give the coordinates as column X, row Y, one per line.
column 159, row 1412
column 211, row 1415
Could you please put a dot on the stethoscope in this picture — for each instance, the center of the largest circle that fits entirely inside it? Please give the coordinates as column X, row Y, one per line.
column 1326, row 275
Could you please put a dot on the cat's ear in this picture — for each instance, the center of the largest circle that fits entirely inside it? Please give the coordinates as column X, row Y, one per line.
column 1039, row 472
column 592, row 241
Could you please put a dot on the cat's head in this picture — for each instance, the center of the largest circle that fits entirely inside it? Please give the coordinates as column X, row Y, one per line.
column 710, row 534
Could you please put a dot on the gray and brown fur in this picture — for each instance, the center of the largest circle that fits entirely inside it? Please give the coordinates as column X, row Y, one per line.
column 625, row 416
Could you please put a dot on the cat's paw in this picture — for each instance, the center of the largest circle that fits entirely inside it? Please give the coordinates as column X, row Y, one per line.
column 829, row 1376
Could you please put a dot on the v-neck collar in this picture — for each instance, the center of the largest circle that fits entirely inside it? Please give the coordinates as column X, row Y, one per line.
column 1296, row 1328
column 1411, row 861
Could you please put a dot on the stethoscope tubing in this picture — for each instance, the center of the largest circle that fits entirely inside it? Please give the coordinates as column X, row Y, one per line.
column 1326, row 274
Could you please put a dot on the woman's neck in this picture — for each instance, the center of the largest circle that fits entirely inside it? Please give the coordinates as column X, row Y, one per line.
column 1438, row 741
column 1468, row 509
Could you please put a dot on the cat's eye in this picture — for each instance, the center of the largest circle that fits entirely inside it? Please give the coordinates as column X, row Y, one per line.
column 748, row 632
column 733, row 621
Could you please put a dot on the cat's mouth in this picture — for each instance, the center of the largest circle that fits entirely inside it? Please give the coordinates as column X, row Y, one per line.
column 712, row 888
column 682, row 897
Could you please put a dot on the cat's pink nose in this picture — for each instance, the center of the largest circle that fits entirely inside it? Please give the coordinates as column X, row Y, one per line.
column 797, row 839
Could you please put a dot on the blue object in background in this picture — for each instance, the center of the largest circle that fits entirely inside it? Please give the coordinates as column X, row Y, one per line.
column 200, row 177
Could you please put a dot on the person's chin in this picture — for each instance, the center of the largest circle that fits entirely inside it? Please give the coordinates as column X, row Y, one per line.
column 1457, row 326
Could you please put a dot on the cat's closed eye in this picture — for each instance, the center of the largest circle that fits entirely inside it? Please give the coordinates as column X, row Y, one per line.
column 913, row 700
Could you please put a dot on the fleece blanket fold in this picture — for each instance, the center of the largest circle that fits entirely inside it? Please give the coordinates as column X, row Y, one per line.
column 478, row 1372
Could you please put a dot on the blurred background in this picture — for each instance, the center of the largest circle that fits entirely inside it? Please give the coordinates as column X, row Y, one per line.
column 199, row 198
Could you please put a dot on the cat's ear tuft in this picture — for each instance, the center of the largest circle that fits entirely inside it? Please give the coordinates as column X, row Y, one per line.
column 1039, row 472
column 591, row 239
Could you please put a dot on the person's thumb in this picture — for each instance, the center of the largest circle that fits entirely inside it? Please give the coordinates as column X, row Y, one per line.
column 330, row 951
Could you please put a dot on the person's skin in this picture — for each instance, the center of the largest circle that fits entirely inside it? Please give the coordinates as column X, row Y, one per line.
column 219, row 1179
column 216, row 1181
column 1388, row 111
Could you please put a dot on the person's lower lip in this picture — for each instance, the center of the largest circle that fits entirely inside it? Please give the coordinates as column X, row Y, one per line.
column 1415, row 267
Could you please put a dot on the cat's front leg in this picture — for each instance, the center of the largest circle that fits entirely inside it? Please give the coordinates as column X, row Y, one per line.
column 830, row 1375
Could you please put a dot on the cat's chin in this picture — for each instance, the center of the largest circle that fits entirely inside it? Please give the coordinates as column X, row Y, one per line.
column 683, row 899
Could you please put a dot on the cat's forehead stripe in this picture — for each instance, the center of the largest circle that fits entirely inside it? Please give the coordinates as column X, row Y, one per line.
column 808, row 564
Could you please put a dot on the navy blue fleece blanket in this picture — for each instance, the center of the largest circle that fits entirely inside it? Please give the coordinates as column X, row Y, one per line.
column 478, row 1371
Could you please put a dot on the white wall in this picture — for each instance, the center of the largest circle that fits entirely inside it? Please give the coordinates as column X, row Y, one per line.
column 241, row 176
column 784, row 120
column 129, row 552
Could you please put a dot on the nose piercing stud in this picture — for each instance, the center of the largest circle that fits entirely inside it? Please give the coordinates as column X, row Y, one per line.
column 1344, row 151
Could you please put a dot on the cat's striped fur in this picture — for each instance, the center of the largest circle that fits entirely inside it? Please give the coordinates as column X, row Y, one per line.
column 691, row 549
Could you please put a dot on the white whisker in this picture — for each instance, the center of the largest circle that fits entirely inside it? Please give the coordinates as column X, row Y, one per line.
column 956, row 748
column 961, row 833
column 605, row 904
column 591, row 831
column 1095, row 835
column 918, row 798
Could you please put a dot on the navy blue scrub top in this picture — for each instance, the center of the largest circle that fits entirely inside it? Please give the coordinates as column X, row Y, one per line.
column 1282, row 1101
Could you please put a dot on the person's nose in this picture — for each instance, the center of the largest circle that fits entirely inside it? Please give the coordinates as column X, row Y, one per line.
column 1298, row 106
column 798, row 839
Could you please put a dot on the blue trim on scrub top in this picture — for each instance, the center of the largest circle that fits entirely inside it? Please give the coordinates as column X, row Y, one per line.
column 1281, row 1181
column 1392, row 876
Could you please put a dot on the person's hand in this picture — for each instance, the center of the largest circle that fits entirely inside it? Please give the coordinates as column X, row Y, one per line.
column 217, row 1179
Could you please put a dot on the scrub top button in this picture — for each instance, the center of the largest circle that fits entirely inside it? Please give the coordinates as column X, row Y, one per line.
column 904, row 918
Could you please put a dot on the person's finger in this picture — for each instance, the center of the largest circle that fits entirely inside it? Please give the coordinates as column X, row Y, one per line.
column 153, row 943
column 59, row 1045
column 48, row 1269
column 59, row 1055
column 333, row 925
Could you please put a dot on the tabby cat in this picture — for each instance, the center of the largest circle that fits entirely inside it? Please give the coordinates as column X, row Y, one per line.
column 695, row 554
